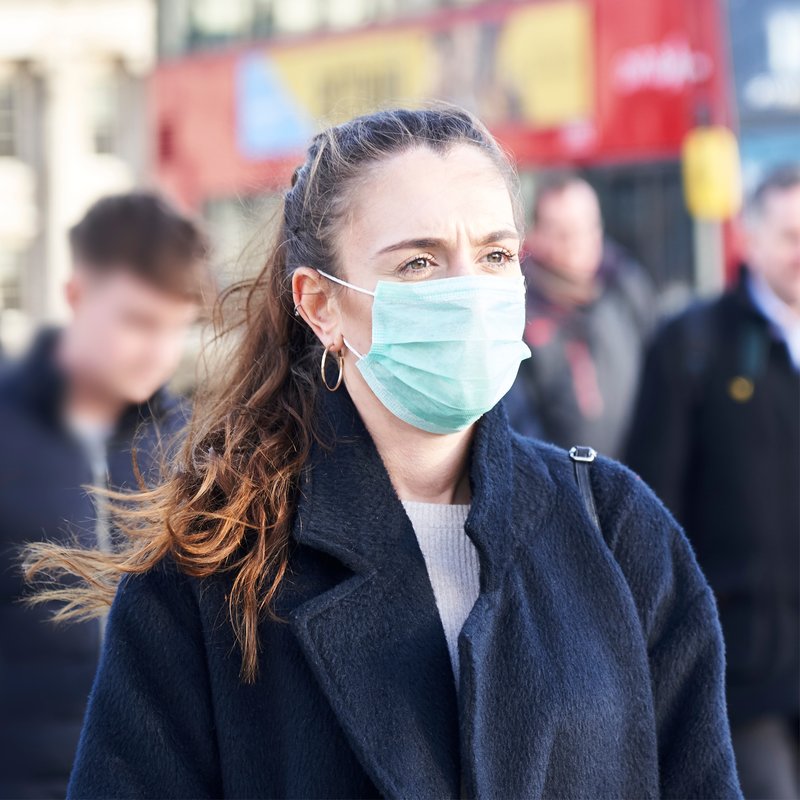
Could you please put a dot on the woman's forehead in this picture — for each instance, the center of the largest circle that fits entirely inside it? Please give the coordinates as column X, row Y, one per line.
column 423, row 194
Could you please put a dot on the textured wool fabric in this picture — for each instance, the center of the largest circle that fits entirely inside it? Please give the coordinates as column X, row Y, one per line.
column 452, row 563
column 591, row 664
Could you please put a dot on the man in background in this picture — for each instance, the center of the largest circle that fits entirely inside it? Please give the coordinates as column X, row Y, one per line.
column 590, row 310
column 717, row 435
column 71, row 411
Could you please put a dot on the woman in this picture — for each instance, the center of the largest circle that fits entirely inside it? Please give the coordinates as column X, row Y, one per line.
column 358, row 582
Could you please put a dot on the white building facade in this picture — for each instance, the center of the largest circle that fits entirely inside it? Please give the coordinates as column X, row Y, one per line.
column 73, row 127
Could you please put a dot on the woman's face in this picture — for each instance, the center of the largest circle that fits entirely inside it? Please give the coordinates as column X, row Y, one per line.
column 422, row 216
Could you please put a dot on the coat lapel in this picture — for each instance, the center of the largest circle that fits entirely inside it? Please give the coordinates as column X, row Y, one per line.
column 375, row 640
column 491, row 700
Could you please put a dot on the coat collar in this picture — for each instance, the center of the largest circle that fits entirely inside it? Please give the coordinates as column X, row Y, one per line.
column 375, row 640
column 350, row 476
column 741, row 296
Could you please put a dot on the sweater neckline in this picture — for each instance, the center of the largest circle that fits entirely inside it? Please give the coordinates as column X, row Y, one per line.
column 424, row 504
column 436, row 515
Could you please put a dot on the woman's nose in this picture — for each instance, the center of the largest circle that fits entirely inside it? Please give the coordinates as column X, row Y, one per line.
column 461, row 264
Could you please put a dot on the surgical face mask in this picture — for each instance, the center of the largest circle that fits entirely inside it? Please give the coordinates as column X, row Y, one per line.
column 443, row 351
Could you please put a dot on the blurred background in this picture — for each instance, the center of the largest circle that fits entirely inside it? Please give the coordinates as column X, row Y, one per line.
column 213, row 101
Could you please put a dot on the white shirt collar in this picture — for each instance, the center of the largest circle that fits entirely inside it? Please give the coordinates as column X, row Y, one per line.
column 784, row 319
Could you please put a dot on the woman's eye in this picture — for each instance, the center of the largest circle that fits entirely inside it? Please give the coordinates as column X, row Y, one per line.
column 418, row 264
column 500, row 257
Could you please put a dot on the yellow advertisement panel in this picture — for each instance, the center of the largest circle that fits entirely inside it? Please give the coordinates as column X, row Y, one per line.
column 545, row 58
column 335, row 80
column 531, row 66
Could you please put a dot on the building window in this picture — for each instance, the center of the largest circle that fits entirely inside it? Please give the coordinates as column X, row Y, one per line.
column 783, row 41
column 189, row 25
column 298, row 16
column 10, row 279
column 105, row 107
column 8, row 117
column 214, row 22
column 766, row 61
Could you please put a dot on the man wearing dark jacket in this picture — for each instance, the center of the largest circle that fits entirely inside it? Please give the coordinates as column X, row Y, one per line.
column 717, row 435
column 590, row 311
column 71, row 413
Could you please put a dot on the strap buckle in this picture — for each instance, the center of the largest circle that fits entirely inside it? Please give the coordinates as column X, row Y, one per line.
column 587, row 454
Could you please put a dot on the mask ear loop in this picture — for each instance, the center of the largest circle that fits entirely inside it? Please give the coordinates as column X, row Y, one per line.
column 345, row 283
column 355, row 288
column 352, row 349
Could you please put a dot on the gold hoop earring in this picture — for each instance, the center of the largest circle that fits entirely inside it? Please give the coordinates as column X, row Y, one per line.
column 340, row 360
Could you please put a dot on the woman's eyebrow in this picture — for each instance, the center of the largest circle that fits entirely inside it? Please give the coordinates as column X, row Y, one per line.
column 428, row 244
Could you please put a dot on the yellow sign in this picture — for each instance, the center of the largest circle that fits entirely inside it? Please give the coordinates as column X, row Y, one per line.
column 712, row 183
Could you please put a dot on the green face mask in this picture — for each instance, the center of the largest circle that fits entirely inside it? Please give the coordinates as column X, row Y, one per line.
column 443, row 351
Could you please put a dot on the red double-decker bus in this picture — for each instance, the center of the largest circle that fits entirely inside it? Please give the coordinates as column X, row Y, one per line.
column 608, row 87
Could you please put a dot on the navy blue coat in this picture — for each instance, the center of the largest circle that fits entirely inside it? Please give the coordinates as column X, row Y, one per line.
column 46, row 672
column 591, row 664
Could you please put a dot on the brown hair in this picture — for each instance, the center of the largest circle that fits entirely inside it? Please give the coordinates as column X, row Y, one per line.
column 140, row 232
column 227, row 502
column 552, row 184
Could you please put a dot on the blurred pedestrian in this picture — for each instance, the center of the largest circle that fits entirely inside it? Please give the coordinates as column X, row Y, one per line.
column 717, row 435
column 591, row 309
column 71, row 411
column 446, row 620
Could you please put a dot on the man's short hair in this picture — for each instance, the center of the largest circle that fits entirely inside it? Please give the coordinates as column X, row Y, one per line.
column 780, row 179
column 552, row 184
column 141, row 233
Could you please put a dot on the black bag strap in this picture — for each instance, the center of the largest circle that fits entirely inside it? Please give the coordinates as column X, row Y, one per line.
column 582, row 457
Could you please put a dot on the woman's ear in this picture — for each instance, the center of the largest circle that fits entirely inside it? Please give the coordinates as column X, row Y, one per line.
column 316, row 306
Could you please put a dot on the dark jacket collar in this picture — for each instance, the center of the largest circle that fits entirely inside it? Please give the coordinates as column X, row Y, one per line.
column 352, row 467
column 40, row 388
column 742, row 297
column 375, row 640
